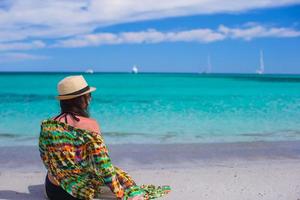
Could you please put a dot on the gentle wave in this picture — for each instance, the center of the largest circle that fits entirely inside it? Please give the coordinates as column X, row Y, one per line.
column 13, row 97
column 269, row 79
column 17, row 137
column 126, row 137
column 274, row 134
column 9, row 135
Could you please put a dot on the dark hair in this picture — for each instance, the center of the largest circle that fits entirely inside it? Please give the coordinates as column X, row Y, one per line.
column 76, row 105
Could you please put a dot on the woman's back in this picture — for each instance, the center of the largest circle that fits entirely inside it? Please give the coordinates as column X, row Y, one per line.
column 83, row 123
column 66, row 152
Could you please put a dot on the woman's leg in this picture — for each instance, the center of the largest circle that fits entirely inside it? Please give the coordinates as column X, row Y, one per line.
column 56, row 193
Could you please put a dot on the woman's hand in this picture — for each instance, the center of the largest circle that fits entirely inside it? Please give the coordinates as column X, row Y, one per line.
column 140, row 197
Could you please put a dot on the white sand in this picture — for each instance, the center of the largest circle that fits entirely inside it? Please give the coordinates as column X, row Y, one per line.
column 237, row 171
column 267, row 180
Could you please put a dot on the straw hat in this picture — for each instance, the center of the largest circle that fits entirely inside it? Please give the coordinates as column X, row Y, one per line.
column 73, row 86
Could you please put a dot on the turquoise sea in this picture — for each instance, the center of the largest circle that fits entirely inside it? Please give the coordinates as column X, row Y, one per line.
column 160, row 108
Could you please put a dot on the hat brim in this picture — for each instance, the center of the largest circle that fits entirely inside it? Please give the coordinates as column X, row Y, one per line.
column 66, row 97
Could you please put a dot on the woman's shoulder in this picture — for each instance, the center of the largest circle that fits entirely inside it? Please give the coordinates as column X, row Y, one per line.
column 90, row 124
column 86, row 123
column 87, row 120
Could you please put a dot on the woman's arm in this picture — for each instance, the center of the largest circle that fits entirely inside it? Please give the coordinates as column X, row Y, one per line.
column 103, row 168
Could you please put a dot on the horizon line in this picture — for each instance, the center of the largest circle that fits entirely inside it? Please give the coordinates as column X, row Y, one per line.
column 145, row 72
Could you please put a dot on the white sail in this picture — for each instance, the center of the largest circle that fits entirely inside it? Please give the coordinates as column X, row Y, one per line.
column 261, row 69
column 135, row 69
column 89, row 71
column 208, row 67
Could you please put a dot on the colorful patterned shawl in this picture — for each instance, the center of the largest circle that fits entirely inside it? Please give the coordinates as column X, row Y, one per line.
column 78, row 159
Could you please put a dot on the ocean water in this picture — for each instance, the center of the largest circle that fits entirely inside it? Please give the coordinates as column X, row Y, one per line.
column 160, row 108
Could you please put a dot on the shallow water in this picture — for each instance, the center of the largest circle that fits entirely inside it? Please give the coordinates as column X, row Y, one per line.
column 160, row 108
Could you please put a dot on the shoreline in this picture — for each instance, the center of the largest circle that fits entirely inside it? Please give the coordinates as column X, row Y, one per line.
column 256, row 170
column 152, row 155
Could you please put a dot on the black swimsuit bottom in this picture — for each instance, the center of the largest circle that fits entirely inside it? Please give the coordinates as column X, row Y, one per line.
column 55, row 192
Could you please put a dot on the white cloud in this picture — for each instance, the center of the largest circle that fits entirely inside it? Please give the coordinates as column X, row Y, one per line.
column 248, row 32
column 196, row 35
column 37, row 44
column 16, row 57
column 149, row 36
column 40, row 19
column 258, row 31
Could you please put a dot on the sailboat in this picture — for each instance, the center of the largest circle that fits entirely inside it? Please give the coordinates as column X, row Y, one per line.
column 261, row 69
column 208, row 67
column 89, row 71
column 135, row 69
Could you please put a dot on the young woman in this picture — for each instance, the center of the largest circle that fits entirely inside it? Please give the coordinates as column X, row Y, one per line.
column 73, row 151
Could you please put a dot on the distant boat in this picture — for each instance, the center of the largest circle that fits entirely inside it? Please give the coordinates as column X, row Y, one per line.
column 135, row 69
column 89, row 71
column 261, row 69
column 208, row 67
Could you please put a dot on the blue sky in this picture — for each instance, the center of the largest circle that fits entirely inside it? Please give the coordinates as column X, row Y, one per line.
column 173, row 36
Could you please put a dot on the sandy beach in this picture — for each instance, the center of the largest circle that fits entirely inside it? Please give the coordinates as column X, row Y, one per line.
column 235, row 171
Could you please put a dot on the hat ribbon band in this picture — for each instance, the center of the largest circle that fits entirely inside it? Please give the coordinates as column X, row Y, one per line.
column 77, row 92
